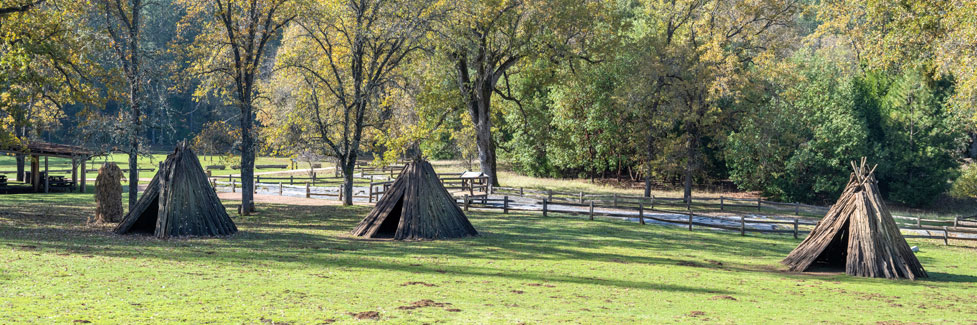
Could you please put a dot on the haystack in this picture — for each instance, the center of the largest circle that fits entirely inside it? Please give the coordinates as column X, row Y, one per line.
column 859, row 234
column 178, row 202
column 416, row 206
column 108, row 194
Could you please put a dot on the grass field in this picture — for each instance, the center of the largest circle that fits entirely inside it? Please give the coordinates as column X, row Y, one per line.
column 292, row 264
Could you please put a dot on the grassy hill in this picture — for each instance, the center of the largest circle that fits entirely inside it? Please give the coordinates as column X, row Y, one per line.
column 297, row 264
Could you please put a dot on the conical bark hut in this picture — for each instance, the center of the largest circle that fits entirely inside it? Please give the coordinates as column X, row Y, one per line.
column 858, row 233
column 178, row 202
column 415, row 207
column 108, row 194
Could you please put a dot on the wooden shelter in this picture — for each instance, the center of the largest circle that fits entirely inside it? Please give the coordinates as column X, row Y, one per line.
column 416, row 207
column 178, row 202
column 859, row 234
column 35, row 150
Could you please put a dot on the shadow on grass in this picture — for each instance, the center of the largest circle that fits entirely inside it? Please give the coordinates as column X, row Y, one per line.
column 301, row 236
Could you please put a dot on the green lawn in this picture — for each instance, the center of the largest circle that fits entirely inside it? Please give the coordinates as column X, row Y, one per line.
column 293, row 264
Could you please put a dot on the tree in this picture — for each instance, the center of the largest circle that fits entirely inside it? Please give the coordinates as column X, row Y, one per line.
column 123, row 24
column 348, row 55
column 484, row 40
column 702, row 51
column 237, row 37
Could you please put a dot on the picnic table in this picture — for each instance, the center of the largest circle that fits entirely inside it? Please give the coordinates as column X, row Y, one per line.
column 60, row 183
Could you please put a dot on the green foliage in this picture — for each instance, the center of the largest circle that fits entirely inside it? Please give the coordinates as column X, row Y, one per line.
column 797, row 145
column 965, row 186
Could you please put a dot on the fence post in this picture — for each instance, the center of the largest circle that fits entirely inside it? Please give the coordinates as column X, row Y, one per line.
column 233, row 186
column 466, row 202
column 544, row 207
column 742, row 226
column 795, row 228
column 291, row 179
column 797, row 208
column 549, row 195
column 688, row 203
column 641, row 213
column 615, row 200
column 946, row 236
column 281, row 189
column 591, row 210
column 919, row 223
column 522, row 192
column 258, row 180
column 313, row 178
column 690, row 220
column 581, row 197
column 955, row 221
column 342, row 187
column 758, row 204
column 652, row 202
column 371, row 189
column 721, row 203
column 505, row 204
column 308, row 190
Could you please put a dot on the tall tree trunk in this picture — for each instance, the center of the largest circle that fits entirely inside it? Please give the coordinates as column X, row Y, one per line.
column 247, row 157
column 134, row 102
column 483, row 131
column 690, row 164
column 348, row 168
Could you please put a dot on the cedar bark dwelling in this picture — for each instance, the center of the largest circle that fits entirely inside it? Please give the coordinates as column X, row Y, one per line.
column 859, row 234
column 179, row 202
column 416, row 207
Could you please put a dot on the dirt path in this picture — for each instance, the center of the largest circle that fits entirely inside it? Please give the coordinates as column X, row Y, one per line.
column 275, row 199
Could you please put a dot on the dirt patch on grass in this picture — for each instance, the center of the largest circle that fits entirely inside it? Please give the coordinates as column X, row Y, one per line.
column 696, row 313
column 723, row 297
column 418, row 283
column 688, row 263
column 518, row 292
column 540, row 285
column 272, row 322
column 422, row 304
column 366, row 315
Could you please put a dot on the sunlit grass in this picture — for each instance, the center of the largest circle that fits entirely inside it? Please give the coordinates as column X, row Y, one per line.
column 299, row 265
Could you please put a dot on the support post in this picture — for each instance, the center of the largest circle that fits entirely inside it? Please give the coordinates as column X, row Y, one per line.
column 84, row 173
column 313, row 178
column 946, row 236
column 795, row 228
column 281, row 189
column 522, row 191
column 758, row 204
column 47, row 176
column 233, row 186
column 467, row 201
column 74, row 173
column 721, row 203
column 371, row 189
column 505, row 204
column 291, row 179
column 615, row 200
column 549, row 195
column 797, row 208
column 742, row 226
column 956, row 220
column 308, row 190
column 544, row 206
column 591, row 210
column 641, row 213
column 690, row 220
column 581, row 197
column 919, row 223
column 652, row 202
column 342, row 188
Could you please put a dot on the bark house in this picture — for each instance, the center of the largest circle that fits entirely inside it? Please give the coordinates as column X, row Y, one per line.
column 858, row 234
column 416, row 207
column 179, row 202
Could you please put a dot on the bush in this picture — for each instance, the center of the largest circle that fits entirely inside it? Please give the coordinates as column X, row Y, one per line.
column 965, row 186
